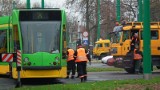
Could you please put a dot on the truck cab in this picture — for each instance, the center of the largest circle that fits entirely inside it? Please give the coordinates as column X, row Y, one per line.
column 102, row 48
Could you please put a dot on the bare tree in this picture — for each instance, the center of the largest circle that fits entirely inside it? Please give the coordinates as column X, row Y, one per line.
column 128, row 11
column 36, row 5
column 155, row 10
column 89, row 14
column 7, row 6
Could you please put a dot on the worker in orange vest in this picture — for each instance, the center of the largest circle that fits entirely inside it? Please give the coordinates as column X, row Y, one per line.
column 81, row 60
column 137, row 59
column 70, row 63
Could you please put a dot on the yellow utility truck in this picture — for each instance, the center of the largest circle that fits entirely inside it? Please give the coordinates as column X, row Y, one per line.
column 101, row 49
column 121, row 45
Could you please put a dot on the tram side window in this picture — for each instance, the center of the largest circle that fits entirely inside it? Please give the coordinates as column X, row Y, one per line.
column 3, row 41
column 16, row 38
column 64, row 48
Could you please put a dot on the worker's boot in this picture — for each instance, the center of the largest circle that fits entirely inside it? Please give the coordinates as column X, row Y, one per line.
column 72, row 77
column 82, row 79
column 85, row 78
column 137, row 72
column 67, row 77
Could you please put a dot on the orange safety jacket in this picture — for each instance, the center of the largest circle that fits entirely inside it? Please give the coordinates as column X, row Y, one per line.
column 81, row 55
column 137, row 56
column 70, row 55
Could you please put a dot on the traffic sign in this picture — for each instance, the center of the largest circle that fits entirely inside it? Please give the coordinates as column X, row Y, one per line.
column 85, row 42
column 85, row 34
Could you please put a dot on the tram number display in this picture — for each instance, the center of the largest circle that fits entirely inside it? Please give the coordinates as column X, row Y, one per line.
column 40, row 16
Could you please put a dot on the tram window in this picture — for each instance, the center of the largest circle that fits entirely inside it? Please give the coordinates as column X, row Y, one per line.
column 64, row 43
column 3, row 41
column 16, row 38
column 154, row 35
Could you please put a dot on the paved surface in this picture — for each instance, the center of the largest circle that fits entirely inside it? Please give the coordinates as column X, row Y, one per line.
column 7, row 84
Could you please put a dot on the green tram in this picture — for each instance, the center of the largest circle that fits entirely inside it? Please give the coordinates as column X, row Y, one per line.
column 40, row 36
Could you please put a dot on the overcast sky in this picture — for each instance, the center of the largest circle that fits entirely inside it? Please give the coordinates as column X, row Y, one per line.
column 55, row 3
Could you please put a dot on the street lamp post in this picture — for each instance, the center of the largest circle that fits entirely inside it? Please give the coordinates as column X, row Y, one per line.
column 79, row 38
column 146, row 41
column 140, row 10
column 118, row 10
column 78, row 31
column 28, row 4
column 14, row 4
column 98, row 28
column 42, row 3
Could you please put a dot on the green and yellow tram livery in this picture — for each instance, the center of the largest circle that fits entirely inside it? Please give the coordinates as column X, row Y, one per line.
column 5, row 27
column 40, row 35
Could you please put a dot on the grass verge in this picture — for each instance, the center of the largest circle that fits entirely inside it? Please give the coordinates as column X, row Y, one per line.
column 96, row 69
column 136, row 84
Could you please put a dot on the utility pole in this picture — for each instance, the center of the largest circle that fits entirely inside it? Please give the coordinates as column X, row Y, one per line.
column 14, row 5
column 118, row 10
column 87, row 21
column 28, row 4
column 79, row 36
column 146, row 41
column 98, row 28
column 140, row 10
column 42, row 3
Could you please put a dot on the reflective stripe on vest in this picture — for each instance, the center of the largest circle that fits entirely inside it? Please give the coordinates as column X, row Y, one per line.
column 70, row 55
column 81, row 55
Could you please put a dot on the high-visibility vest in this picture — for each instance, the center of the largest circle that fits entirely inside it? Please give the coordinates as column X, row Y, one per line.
column 137, row 56
column 70, row 55
column 81, row 55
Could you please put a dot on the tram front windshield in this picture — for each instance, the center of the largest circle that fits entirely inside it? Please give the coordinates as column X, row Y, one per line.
column 40, row 36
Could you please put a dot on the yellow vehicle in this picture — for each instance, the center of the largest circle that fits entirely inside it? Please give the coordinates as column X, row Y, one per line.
column 4, row 30
column 102, row 48
column 121, row 40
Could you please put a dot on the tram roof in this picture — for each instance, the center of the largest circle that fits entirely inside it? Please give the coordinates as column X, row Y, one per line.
column 41, row 9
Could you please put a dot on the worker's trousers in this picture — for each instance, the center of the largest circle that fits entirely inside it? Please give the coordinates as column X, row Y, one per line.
column 71, row 67
column 82, row 71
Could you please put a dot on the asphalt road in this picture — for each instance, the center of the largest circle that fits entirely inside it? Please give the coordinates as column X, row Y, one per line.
column 7, row 84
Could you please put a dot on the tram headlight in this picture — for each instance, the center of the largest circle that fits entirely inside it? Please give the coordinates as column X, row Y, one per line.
column 56, row 61
column 57, row 58
column 26, row 59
